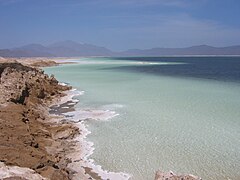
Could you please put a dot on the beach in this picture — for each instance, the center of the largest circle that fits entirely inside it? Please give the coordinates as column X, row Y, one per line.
column 39, row 136
column 185, row 121
column 30, row 136
column 43, row 136
column 87, row 126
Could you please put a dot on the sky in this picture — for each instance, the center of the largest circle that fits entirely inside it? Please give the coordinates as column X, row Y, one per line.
column 120, row 24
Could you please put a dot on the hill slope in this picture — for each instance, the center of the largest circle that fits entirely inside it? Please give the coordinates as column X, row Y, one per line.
column 59, row 49
column 74, row 49
column 194, row 50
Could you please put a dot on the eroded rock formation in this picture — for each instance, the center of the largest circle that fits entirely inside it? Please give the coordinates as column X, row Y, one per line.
column 25, row 94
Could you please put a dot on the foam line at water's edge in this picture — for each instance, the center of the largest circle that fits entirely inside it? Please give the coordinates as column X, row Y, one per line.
column 83, row 148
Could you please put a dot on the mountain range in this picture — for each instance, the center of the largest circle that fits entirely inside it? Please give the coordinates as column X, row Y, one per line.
column 74, row 49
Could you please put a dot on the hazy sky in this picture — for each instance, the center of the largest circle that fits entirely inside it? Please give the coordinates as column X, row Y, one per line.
column 120, row 24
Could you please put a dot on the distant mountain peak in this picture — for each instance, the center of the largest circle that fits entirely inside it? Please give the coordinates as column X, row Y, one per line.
column 65, row 43
column 202, row 45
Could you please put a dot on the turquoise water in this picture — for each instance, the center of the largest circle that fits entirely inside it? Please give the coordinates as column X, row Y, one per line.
column 183, row 124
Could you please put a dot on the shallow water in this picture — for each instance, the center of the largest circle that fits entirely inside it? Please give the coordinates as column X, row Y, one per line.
column 168, row 122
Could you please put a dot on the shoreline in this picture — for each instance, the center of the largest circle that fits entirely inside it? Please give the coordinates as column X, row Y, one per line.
column 81, row 160
column 67, row 138
column 27, row 129
column 62, row 135
column 95, row 169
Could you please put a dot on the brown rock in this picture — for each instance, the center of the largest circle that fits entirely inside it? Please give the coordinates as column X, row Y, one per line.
column 25, row 93
column 171, row 176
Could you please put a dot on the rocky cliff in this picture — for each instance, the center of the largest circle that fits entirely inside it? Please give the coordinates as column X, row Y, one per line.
column 25, row 130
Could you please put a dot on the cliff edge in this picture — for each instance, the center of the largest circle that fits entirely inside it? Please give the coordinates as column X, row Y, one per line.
column 25, row 131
